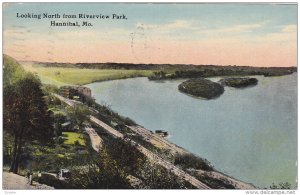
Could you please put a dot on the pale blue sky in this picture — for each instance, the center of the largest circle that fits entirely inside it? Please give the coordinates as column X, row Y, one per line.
column 155, row 23
column 208, row 15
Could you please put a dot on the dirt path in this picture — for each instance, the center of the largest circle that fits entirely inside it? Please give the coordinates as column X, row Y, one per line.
column 95, row 138
column 13, row 181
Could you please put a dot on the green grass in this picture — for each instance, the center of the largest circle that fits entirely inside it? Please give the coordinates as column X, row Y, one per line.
column 72, row 137
column 77, row 76
column 60, row 155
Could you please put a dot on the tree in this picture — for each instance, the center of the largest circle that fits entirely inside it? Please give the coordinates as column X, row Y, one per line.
column 25, row 115
column 158, row 177
column 78, row 114
column 126, row 155
column 12, row 70
column 103, row 173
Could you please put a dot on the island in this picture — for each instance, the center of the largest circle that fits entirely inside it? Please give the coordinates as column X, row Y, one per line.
column 201, row 88
column 238, row 82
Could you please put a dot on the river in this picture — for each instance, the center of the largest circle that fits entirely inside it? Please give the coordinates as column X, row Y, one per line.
column 250, row 134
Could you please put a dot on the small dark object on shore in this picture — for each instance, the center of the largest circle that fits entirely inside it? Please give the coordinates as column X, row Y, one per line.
column 162, row 133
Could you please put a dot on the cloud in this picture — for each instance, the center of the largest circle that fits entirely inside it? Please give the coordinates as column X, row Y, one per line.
column 292, row 28
column 240, row 28
column 177, row 24
column 287, row 34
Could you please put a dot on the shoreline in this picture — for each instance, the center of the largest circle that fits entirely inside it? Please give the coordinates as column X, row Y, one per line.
column 161, row 81
column 141, row 71
column 154, row 138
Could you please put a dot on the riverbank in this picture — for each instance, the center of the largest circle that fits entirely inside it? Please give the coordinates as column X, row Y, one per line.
column 174, row 158
column 166, row 145
column 60, row 74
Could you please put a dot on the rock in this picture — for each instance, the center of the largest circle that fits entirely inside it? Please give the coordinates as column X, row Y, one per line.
column 238, row 82
column 201, row 88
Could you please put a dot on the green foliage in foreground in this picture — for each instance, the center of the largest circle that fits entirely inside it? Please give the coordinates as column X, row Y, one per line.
column 103, row 173
column 12, row 71
column 78, row 114
column 25, row 116
column 72, row 138
column 78, row 76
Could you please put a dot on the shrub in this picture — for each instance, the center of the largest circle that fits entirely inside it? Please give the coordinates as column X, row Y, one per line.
column 191, row 161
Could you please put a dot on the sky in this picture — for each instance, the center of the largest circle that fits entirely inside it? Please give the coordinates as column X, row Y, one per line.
column 219, row 34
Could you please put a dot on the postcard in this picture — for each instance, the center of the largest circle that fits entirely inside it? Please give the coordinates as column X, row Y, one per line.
column 150, row 96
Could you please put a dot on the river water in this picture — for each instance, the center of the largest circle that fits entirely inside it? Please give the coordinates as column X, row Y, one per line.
column 250, row 134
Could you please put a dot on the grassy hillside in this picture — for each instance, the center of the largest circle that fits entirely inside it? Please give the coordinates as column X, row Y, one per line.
column 75, row 76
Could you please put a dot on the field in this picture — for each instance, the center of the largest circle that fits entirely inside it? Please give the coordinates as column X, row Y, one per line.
column 77, row 76
column 72, row 137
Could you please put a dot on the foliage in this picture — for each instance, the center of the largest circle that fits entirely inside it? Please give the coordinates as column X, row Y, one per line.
column 201, row 88
column 72, row 138
column 211, row 71
column 158, row 76
column 281, row 185
column 157, row 177
column 78, row 114
column 187, row 161
column 7, row 148
column 48, row 89
column 238, row 82
column 107, row 115
column 58, row 118
column 25, row 115
column 49, row 75
column 103, row 173
column 55, row 156
column 126, row 155
column 214, row 183
column 12, row 71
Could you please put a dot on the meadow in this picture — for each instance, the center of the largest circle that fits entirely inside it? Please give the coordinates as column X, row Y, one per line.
column 60, row 76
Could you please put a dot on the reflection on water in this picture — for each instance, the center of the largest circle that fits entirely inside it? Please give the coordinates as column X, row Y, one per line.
column 250, row 133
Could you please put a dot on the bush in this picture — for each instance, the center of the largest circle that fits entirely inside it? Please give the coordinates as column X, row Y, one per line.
column 191, row 161
column 103, row 173
column 126, row 155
